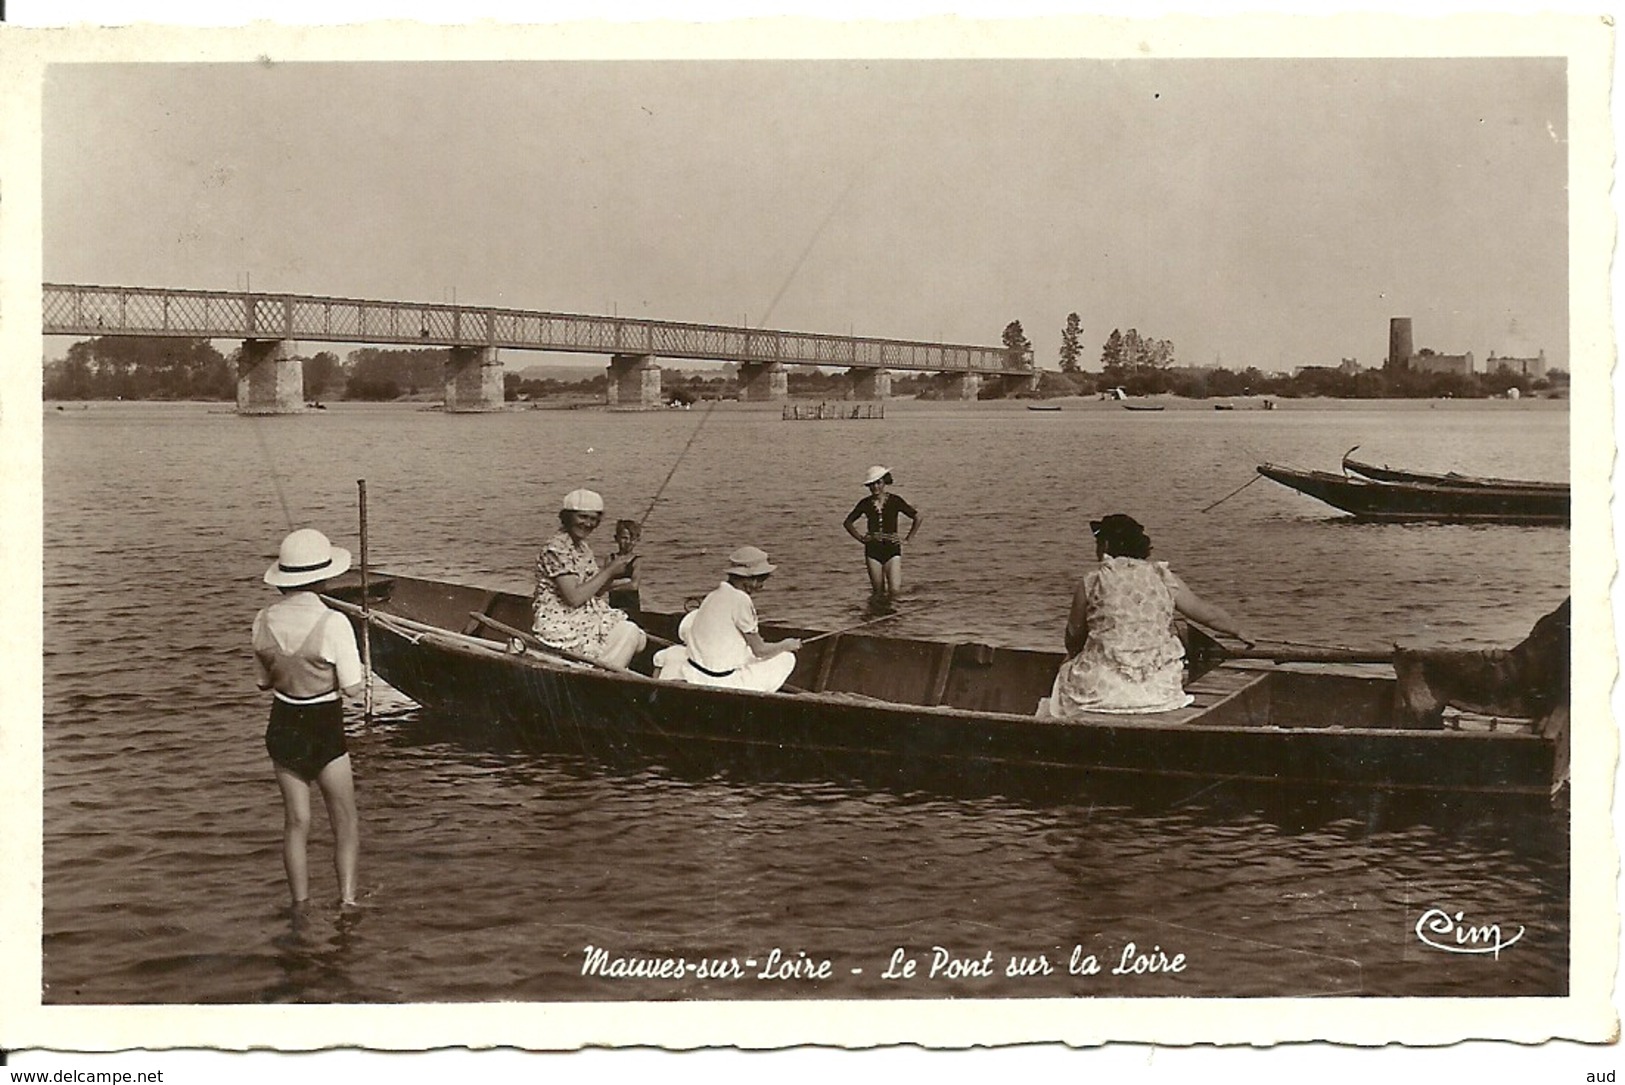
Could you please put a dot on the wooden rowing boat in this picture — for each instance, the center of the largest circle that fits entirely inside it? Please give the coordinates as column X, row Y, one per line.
column 1369, row 499
column 964, row 708
column 1452, row 479
column 1142, row 406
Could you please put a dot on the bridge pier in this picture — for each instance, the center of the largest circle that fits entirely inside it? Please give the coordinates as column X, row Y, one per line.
column 961, row 385
column 268, row 380
column 634, row 381
column 762, row 382
column 870, row 383
column 473, row 380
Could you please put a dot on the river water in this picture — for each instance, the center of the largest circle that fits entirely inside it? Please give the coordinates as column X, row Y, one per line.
column 489, row 868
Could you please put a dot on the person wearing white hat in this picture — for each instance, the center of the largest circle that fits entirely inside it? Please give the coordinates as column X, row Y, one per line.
column 721, row 645
column 305, row 654
column 569, row 610
column 882, row 548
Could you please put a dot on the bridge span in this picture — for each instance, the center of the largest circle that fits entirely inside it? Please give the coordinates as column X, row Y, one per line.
column 270, row 377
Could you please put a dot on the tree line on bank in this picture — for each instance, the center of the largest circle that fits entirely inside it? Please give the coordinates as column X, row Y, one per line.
column 1143, row 366
column 124, row 367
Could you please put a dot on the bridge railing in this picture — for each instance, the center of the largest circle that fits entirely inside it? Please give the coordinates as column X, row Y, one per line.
column 118, row 310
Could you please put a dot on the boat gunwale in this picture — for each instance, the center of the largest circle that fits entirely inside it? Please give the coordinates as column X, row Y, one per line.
column 494, row 651
column 1448, row 480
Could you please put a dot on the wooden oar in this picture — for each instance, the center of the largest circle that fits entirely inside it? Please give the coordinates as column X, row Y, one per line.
column 1286, row 653
column 366, row 609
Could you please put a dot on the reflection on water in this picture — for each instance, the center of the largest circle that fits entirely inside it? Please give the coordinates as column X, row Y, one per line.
column 489, row 864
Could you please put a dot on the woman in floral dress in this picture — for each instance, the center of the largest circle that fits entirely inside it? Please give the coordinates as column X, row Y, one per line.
column 1124, row 653
column 569, row 610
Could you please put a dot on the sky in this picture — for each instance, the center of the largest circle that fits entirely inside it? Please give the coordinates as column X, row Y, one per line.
column 1268, row 212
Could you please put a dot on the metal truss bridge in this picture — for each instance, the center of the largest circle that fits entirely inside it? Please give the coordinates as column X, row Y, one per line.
column 209, row 314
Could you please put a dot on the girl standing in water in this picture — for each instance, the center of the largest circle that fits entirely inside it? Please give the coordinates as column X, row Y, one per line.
column 882, row 548
column 305, row 654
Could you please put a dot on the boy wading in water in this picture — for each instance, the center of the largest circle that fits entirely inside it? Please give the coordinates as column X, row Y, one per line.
column 305, row 654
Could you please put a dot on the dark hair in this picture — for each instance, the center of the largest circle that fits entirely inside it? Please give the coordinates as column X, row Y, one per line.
column 631, row 527
column 1121, row 536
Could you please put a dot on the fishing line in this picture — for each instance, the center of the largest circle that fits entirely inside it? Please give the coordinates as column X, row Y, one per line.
column 802, row 259
column 1233, row 493
column 270, row 466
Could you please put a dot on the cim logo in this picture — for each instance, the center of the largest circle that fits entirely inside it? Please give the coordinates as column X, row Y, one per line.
column 1439, row 929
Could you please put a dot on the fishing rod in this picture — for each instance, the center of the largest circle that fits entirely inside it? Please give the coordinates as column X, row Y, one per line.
column 701, row 425
column 872, row 621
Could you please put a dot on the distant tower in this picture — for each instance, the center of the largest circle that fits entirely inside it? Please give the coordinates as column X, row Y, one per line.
column 1399, row 343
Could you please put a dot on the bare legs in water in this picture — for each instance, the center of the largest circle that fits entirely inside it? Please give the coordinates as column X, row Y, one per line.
column 337, row 785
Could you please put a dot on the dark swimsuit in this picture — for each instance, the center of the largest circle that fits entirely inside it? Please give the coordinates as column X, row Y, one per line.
column 304, row 738
column 882, row 521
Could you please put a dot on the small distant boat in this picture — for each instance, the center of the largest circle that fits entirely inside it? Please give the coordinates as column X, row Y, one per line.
column 1142, row 406
column 1370, row 499
column 1043, row 406
column 1394, row 474
column 1224, row 406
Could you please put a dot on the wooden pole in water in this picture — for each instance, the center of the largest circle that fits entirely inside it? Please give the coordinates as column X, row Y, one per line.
column 366, row 608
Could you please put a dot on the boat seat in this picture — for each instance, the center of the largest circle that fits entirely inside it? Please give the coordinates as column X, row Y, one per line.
column 1223, row 696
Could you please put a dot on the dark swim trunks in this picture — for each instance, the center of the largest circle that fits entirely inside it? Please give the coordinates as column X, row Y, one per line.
column 877, row 550
column 304, row 738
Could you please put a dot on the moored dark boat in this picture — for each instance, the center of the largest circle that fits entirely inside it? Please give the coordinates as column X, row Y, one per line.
column 965, row 708
column 1142, row 406
column 1394, row 474
column 1369, row 499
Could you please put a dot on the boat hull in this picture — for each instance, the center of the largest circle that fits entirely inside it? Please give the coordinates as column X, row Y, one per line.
column 1374, row 500
column 1394, row 474
column 1233, row 736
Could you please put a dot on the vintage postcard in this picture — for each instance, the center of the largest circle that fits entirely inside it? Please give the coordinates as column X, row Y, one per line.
column 771, row 533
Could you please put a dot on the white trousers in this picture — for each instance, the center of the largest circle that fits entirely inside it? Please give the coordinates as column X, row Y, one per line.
column 762, row 675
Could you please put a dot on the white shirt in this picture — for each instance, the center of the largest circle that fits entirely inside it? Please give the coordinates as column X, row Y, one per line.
column 715, row 634
column 303, row 664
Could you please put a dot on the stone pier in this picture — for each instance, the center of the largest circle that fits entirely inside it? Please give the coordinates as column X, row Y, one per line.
column 762, row 382
column 634, row 381
column 473, row 380
column 870, row 383
column 268, row 380
column 961, row 385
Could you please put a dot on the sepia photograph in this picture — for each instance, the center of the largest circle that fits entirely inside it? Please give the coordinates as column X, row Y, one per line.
column 1049, row 532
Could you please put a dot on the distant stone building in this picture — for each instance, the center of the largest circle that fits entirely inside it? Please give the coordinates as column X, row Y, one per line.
column 1350, row 366
column 1402, row 356
column 1529, row 367
column 1427, row 362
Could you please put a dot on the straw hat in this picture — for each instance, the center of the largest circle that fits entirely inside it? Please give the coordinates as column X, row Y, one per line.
column 749, row 561
column 306, row 557
column 874, row 475
column 582, row 501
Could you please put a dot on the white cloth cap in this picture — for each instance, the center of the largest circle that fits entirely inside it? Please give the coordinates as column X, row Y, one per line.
column 582, row 501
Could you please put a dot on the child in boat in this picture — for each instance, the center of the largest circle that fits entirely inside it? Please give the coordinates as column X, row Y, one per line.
column 569, row 610
column 623, row 590
column 305, row 654
column 720, row 642
column 1124, row 655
